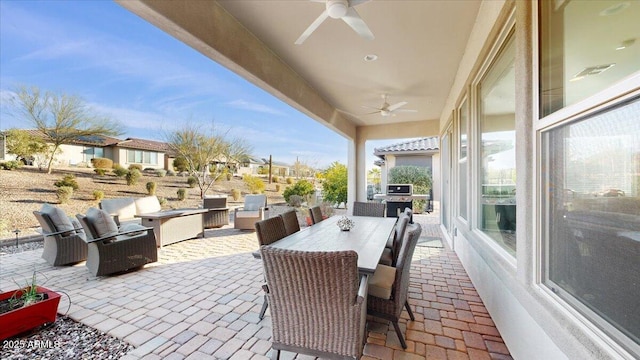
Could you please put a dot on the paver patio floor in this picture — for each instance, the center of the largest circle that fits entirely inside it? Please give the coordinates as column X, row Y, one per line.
column 202, row 298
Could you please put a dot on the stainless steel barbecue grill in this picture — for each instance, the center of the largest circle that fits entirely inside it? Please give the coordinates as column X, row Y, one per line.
column 399, row 197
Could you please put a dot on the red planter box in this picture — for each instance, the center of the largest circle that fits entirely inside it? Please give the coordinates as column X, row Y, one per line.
column 23, row 319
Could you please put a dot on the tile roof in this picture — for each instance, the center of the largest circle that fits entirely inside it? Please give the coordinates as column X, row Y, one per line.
column 416, row 145
column 144, row 144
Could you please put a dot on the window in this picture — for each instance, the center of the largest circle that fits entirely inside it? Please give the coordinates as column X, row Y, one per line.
column 497, row 161
column 586, row 46
column 463, row 122
column 590, row 180
column 592, row 216
column 93, row 152
column 142, row 157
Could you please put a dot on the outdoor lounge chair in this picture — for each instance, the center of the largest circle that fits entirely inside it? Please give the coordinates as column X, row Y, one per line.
column 61, row 246
column 388, row 287
column 316, row 214
column 291, row 223
column 118, row 251
column 254, row 210
column 368, row 209
column 318, row 302
column 218, row 214
column 268, row 232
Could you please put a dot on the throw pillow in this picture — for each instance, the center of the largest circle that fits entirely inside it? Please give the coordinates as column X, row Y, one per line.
column 59, row 218
column 102, row 222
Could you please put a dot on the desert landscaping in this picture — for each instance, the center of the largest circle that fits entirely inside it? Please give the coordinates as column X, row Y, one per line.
column 24, row 190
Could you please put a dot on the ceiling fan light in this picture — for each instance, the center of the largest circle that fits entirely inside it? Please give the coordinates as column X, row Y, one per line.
column 337, row 9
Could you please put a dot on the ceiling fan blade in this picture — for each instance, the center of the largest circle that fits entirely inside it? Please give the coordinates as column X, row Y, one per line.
column 397, row 105
column 353, row 3
column 371, row 107
column 357, row 24
column 405, row 111
column 314, row 25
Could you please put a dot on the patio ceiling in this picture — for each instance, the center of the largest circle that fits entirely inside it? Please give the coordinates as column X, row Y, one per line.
column 419, row 45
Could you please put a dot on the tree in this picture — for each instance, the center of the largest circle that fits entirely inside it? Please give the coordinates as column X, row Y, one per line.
column 207, row 154
column 419, row 176
column 334, row 186
column 374, row 177
column 24, row 145
column 61, row 118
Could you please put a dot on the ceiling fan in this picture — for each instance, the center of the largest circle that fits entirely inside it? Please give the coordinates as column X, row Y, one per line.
column 339, row 9
column 389, row 110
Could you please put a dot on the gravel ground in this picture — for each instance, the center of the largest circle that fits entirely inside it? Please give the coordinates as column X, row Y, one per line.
column 64, row 339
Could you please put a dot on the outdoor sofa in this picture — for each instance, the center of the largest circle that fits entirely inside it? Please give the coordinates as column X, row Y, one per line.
column 124, row 210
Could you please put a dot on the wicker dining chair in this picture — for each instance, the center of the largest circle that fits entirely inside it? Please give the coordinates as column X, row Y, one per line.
column 318, row 302
column 268, row 232
column 291, row 223
column 368, row 209
column 316, row 214
column 61, row 247
column 390, row 253
column 388, row 287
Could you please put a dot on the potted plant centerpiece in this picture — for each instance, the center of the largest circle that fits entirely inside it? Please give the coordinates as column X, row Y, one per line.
column 24, row 309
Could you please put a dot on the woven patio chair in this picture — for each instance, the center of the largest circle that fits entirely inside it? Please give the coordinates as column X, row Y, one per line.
column 316, row 214
column 61, row 247
column 218, row 214
column 119, row 252
column 390, row 253
column 368, row 209
column 254, row 209
column 290, row 220
column 268, row 232
column 318, row 302
column 388, row 287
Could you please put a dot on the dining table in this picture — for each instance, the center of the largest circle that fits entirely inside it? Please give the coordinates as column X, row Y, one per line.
column 367, row 238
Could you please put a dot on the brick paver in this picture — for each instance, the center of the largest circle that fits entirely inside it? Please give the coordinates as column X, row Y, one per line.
column 202, row 298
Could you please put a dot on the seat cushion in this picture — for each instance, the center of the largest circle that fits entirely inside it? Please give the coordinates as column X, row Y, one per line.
column 59, row 219
column 124, row 208
column 102, row 222
column 248, row 214
column 254, row 202
column 147, row 204
column 381, row 283
column 387, row 257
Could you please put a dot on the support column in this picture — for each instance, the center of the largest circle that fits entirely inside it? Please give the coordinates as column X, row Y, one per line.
column 351, row 174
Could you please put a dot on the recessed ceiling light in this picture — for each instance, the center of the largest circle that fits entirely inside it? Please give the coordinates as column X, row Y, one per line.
column 370, row 57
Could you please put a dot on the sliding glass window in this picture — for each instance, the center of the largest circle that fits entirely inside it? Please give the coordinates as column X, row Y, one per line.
column 463, row 162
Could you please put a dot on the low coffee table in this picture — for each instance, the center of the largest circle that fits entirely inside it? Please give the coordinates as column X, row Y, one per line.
column 171, row 226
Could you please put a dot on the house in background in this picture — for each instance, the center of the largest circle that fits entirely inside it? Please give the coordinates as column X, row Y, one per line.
column 424, row 152
column 255, row 165
column 148, row 153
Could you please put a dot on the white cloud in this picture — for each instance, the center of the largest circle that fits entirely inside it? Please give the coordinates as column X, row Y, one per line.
column 250, row 106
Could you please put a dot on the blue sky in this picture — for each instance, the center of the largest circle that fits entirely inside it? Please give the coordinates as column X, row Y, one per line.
column 132, row 72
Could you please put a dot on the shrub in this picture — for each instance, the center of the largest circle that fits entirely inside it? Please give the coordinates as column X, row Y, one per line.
column 67, row 180
column 182, row 194
column 180, row 164
column 102, row 163
column 295, row 200
column 100, row 171
column 11, row 165
column 289, row 180
column 135, row 166
column 277, row 187
column 235, row 194
column 171, row 173
column 149, row 170
column 133, row 176
column 98, row 195
column 151, row 187
column 301, row 188
column 254, row 183
column 229, row 176
column 120, row 171
column 192, row 181
column 275, row 178
column 161, row 172
column 64, row 194
column 162, row 201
